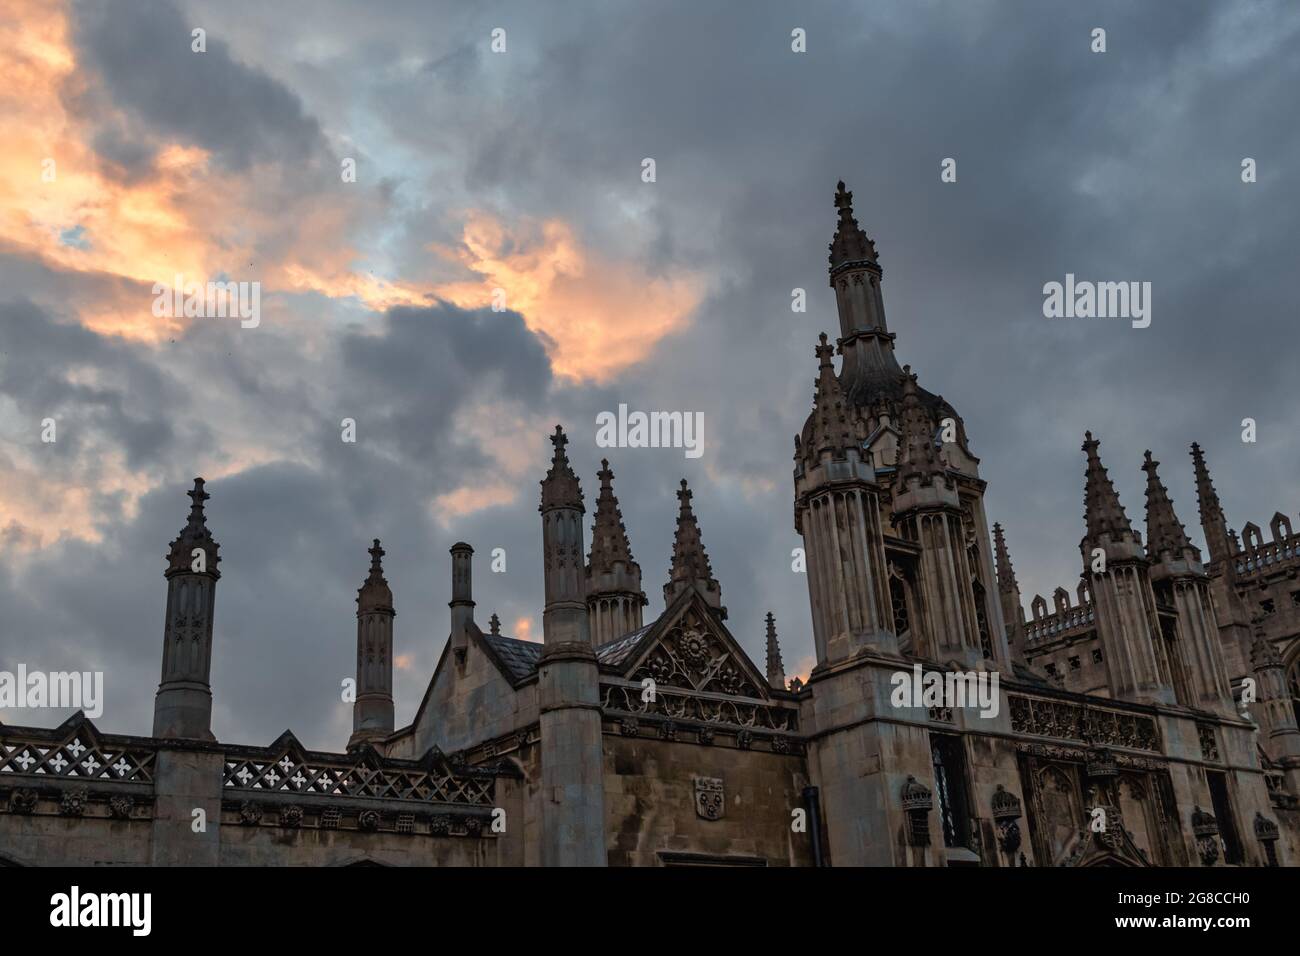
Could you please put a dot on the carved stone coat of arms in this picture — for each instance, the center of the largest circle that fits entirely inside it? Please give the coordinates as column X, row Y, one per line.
column 710, row 800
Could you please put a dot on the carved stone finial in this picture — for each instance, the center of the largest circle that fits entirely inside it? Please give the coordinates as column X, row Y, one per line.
column 850, row 247
column 560, row 487
column 374, row 592
column 194, row 536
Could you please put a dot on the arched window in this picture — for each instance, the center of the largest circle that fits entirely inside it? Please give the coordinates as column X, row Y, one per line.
column 898, row 600
column 1293, row 685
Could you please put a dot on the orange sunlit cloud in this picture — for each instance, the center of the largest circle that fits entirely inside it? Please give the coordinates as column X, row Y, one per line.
column 183, row 218
column 524, row 628
column 63, row 207
column 188, row 218
column 601, row 316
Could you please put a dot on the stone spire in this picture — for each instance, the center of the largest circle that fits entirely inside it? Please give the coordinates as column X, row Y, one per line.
column 1165, row 533
column 183, row 704
column 372, row 711
column 1213, row 522
column 374, row 592
column 775, row 667
column 850, row 246
column 195, row 534
column 609, row 544
column 690, row 561
column 917, row 457
column 494, row 624
column 1013, row 613
column 1006, row 573
column 855, row 276
column 560, row 487
column 835, row 426
column 614, row 595
column 1102, row 512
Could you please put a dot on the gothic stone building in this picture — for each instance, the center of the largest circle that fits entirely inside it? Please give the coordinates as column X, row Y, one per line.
column 1150, row 722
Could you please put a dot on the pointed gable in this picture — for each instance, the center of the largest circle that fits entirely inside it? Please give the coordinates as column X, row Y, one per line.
column 690, row 648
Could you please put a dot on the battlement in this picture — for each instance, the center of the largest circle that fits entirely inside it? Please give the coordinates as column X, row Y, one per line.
column 1256, row 557
column 1064, row 621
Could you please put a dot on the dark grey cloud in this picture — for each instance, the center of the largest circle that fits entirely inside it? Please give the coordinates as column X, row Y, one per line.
column 43, row 366
column 293, row 535
column 142, row 54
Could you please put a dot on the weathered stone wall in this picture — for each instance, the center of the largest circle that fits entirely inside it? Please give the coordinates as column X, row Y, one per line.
column 48, row 838
column 269, row 845
column 650, row 802
column 471, row 702
column 1089, row 677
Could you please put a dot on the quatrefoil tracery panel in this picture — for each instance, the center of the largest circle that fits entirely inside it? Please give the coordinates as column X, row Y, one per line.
column 81, row 756
column 290, row 773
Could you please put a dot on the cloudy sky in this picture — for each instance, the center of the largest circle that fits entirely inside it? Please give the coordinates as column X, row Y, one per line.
column 521, row 171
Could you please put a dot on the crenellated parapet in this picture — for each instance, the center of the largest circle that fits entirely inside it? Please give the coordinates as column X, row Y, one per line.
column 1258, row 559
column 1070, row 621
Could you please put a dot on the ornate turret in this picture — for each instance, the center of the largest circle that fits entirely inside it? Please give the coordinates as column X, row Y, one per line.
column 835, row 426
column 918, row 463
column 614, row 595
column 870, row 367
column 1273, row 707
column 855, row 272
column 775, row 666
column 1217, row 537
column 372, row 712
column 927, row 512
column 690, row 567
column 562, row 510
column 836, row 488
column 870, row 375
column 1192, row 646
column 183, row 704
column 1123, row 602
column 568, row 683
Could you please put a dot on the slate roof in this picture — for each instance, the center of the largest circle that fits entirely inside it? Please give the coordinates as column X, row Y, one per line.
column 517, row 658
column 615, row 652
